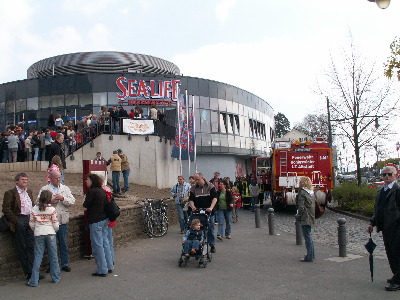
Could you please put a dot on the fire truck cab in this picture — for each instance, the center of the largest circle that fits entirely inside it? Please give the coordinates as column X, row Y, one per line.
column 293, row 160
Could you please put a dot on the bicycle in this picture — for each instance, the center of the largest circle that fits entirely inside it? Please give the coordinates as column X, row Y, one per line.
column 155, row 220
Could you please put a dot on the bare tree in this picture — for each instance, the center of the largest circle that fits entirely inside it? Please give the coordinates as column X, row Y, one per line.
column 358, row 101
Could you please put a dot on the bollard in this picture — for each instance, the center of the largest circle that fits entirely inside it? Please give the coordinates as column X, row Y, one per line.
column 299, row 233
column 342, row 239
column 257, row 216
column 271, row 221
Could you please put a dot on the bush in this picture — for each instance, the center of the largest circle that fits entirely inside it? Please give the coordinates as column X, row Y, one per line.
column 354, row 198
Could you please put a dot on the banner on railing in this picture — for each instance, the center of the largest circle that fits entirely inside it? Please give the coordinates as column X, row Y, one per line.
column 138, row 126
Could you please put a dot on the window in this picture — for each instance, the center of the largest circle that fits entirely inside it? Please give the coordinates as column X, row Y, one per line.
column 57, row 101
column 237, row 124
column 222, row 123
column 205, row 121
column 222, row 105
column 204, row 102
column 230, row 124
column 214, row 121
column 85, row 100
column 44, row 102
column 71, row 100
column 20, row 105
column 32, row 103
column 214, row 103
column 99, row 99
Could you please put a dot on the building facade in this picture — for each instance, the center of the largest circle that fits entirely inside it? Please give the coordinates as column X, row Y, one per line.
column 231, row 124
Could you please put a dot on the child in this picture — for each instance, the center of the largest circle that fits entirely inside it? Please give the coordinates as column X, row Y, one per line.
column 56, row 165
column 237, row 203
column 193, row 238
column 44, row 223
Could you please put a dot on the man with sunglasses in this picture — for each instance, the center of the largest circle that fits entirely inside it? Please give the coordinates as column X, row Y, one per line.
column 386, row 218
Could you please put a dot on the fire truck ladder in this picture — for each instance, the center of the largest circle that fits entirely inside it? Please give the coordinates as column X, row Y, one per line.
column 283, row 164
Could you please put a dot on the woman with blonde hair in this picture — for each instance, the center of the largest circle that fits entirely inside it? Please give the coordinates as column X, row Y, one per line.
column 305, row 203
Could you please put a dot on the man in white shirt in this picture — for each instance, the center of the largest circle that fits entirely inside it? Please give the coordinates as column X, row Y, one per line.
column 62, row 199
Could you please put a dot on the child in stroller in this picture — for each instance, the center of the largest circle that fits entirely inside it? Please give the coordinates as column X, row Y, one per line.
column 193, row 239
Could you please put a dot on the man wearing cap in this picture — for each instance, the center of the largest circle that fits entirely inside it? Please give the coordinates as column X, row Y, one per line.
column 115, row 162
column 125, row 169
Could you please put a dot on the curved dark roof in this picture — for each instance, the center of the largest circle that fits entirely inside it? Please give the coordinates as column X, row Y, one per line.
column 101, row 62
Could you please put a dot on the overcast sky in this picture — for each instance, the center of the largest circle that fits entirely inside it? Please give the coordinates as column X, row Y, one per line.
column 274, row 49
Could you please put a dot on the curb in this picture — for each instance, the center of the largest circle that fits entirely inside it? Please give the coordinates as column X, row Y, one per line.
column 348, row 213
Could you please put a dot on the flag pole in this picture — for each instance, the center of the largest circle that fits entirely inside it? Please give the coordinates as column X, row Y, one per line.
column 178, row 106
column 194, row 136
column 187, row 126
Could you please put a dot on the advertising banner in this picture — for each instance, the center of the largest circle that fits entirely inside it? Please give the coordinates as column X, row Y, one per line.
column 138, row 126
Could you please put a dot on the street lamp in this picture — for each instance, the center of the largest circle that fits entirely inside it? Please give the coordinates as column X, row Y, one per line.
column 381, row 3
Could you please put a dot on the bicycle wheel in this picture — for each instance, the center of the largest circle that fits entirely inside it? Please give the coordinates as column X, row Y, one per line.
column 149, row 227
column 160, row 226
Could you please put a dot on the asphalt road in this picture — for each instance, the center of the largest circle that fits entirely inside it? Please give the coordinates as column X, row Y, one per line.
column 252, row 265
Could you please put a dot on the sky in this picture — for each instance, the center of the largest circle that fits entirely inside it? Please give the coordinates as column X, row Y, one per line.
column 276, row 50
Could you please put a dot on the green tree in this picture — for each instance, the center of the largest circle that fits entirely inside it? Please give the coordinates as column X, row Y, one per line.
column 393, row 63
column 314, row 126
column 282, row 125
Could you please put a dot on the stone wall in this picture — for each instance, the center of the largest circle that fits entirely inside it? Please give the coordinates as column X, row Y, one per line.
column 129, row 227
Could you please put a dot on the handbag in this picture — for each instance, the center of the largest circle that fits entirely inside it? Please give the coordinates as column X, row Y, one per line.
column 4, row 226
column 319, row 210
column 112, row 210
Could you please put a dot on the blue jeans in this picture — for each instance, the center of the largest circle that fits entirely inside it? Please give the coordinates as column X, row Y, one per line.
column 125, row 174
column 101, row 247
column 111, row 242
column 115, row 126
column 254, row 201
column 115, row 181
column 223, row 216
column 62, row 243
column 191, row 244
column 210, row 232
column 182, row 217
column 36, row 154
column 309, row 242
column 48, row 241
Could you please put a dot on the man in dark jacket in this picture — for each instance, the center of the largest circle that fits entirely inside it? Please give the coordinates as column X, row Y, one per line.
column 387, row 219
column 203, row 195
column 57, row 148
column 17, row 206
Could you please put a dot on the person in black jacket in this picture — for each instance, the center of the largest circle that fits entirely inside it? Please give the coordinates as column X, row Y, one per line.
column 95, row 201
column 57, row 148
column 35, row 145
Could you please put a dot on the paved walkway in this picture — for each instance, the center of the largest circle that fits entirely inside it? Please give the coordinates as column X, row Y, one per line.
column 253, row 265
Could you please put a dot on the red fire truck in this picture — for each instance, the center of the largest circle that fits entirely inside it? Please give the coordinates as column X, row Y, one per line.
column 290, row 161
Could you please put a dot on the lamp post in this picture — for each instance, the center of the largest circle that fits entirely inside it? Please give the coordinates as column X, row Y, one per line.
column 381, row 3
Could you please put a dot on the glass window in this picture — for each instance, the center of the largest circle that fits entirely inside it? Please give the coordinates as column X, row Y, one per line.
column 230, row 123
column 71, row 100
column 222, row 123
column 224, row 140
column 112, row 99
column 204, row 102
column 229, row 106
column 214, row 121
column 214, row 103
column 206, row 140
column 222, row 104
column 196, row 100
column 20, row 105
column 215, row 140
column 32, row 103
column 99, row 99
column 237, row 124
column 44, row 102
column 57, row 101
column 85, row 100
column 197, row 114
column 240, row 112
column 205, row 121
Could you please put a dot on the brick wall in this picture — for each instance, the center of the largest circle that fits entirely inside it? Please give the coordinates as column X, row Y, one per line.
column 129, row 227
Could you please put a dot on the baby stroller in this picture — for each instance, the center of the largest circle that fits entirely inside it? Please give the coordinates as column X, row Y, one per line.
column 203, row 254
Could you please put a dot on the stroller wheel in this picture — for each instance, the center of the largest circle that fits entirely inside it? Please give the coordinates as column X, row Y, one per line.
column 180, row 262
column 209, row 257
column 205, row 263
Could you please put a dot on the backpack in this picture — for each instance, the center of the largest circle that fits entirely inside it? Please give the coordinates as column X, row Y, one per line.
column 319, row 210
column 112, row 210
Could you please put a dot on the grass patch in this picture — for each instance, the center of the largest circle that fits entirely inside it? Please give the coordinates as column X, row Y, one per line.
column 354, row 198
